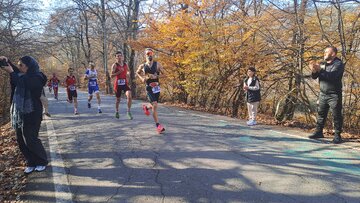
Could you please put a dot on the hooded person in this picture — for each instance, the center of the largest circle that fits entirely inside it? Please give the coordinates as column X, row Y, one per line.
column 26, row 110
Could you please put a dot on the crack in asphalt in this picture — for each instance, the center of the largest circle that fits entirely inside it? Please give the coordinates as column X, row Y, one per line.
column 128, row 179
column 157, row 171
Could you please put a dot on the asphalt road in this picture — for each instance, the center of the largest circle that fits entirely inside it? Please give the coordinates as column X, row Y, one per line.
column 201, row 158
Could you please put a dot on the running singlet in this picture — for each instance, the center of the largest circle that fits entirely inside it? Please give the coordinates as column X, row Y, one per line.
column 55, row 82
column 70, row 83
column 121, row 78
column 153, row 83
column 92, row 75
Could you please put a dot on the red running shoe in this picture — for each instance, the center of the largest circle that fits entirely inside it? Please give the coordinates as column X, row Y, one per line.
column 160, row 129
column 146, row 110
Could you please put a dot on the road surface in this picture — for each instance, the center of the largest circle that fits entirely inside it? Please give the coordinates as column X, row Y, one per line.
column 201, row 158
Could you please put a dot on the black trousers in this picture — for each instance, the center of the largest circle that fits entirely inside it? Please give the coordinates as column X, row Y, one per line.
column 29, row 143
column 334, row 103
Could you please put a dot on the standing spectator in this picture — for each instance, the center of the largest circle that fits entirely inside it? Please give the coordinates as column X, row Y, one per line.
column 330, row 74
column 26, row 110
column 45, row 103
column 253, row 97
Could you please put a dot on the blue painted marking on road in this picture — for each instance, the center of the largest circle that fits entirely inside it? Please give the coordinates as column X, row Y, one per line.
column 332, row 160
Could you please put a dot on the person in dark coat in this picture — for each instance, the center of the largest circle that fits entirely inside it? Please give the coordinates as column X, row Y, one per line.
column 329, row 73
column 252, row 89
column 26, row 110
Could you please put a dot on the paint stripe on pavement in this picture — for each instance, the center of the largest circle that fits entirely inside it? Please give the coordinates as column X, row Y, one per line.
column 61, row 182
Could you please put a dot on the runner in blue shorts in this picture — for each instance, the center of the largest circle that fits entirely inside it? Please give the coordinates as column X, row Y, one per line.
column 93, row 86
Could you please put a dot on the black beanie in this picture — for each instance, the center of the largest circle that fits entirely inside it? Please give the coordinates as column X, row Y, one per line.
column 31, row 63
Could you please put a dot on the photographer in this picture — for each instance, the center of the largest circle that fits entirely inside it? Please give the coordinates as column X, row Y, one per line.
column 26, row 109
column 330, row 74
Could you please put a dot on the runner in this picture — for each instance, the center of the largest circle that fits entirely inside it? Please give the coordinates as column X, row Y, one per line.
column 93, row 87
column 70, row 83
column 149, row 74
column 55, row 85
column 120, row 71
column 49, row 84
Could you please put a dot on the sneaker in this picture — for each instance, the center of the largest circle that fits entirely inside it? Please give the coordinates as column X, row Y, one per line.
column 47, row 114
column 76, row 113
column 40, row 168
column 160, row 129
column 29, row 169
column 117, row 115
column 129, row 115
column 89, row 105
column 100, row 111
column 337, row 139
column 146, row 110
column 316, row 135
column 251, row 122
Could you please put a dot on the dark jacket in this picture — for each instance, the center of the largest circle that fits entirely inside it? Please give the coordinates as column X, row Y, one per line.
column 252, row 95
column 34, row 83
column 330, row 77
column 12, row 82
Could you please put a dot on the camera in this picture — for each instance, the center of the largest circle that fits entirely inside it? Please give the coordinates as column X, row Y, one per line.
column 3, row 63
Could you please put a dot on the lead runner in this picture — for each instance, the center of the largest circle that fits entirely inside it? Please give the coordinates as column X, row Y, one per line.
column 149, row 73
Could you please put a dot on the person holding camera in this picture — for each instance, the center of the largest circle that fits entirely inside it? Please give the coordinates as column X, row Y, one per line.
column 330, row 73
column 26, row 109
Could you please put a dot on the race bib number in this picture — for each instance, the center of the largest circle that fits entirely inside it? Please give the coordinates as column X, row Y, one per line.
column 92, row 83
column 156, row 89
column 72, row 88
column 121, row 82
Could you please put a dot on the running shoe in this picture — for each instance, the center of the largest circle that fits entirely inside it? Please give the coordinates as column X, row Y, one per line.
column 76, row 113
column 146, row 110
column 100, row 111
column 160, row 129
column 40, row 168
column 251, row 123
column 29, row 169
column 117, row 115
column 47, row 114
column 129, row 115
column 89, row 105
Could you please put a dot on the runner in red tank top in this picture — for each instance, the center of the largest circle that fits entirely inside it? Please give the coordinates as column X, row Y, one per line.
column 120, row 72
column 55, row 85
column 70, row 83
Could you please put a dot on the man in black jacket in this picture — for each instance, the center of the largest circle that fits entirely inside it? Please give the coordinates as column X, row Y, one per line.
column 330, row 74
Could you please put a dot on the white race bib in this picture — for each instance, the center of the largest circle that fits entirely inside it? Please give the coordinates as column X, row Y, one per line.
column 92, row 83
column 121, row 82
column 156, row 89
column 72, row 88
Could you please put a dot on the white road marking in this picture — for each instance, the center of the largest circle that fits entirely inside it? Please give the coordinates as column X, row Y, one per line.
column 61, row 182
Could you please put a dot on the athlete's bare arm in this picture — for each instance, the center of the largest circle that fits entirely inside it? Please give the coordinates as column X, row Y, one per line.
column 114, row 72
column 140, row 71
column 161, row 70
column 64, row 82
